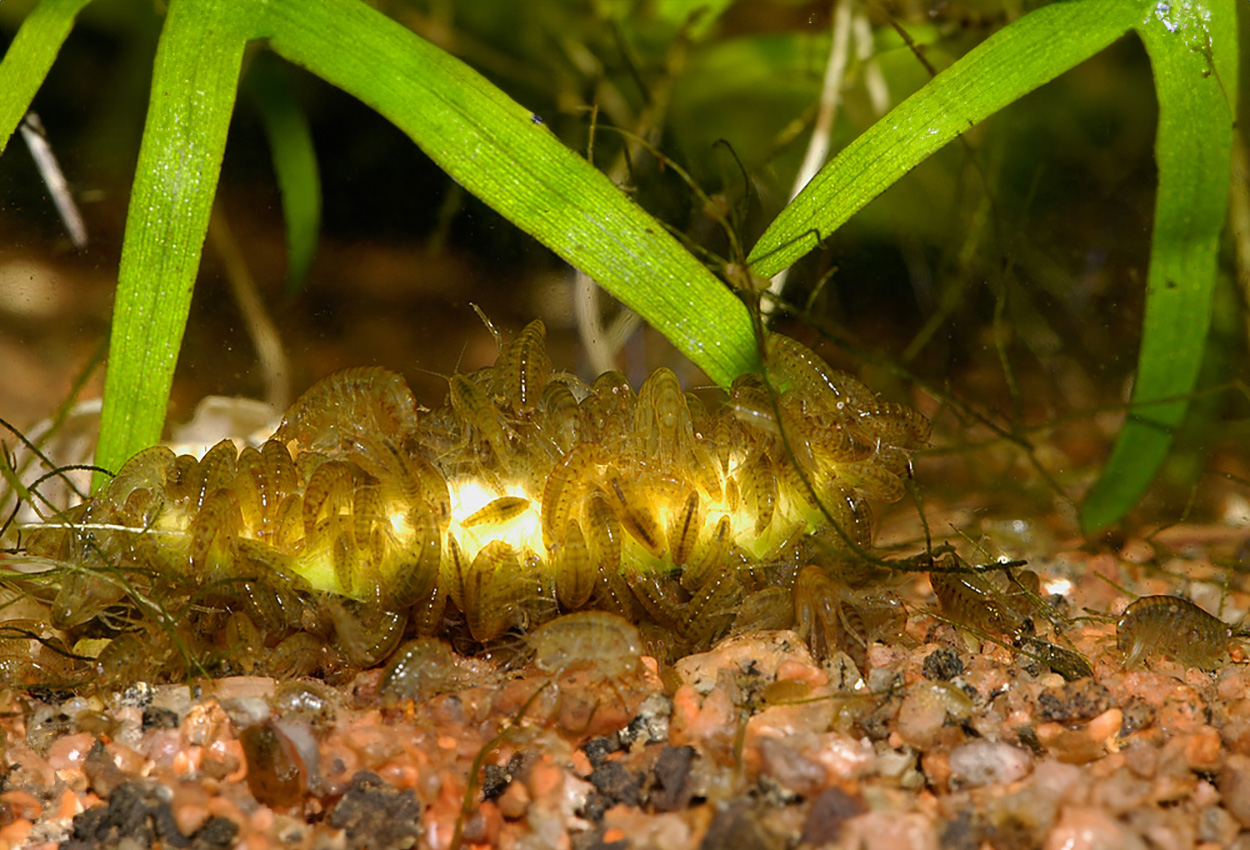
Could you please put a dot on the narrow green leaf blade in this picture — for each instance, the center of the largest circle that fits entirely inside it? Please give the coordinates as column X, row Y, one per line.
column 294, row 163
column 1193, row 50
column 193, row 91
column 29, row 57
column 502, row 153
column 1017, row 59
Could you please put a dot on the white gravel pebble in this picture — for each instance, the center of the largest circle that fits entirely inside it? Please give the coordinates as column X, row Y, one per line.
column 986, row 763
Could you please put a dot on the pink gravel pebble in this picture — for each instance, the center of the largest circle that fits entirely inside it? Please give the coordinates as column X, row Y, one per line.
column 1082, row 828
column 71, row 751
column 986, row 763
column 890, row 831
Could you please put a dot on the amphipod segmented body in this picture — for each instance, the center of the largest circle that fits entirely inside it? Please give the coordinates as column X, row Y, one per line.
column 607, row 645
column 527, row 495
column 1175, row 628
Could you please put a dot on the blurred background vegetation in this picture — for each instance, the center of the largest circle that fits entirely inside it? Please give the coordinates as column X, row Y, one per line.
column 999, row 286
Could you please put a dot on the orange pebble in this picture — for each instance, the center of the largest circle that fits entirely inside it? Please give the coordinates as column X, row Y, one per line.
column 23, row 803
column 225, row 808
column 544, row 779
column 581, row 763
column 1202, row 749
column 16, row 833
column 262, row 819
column 1106, row 725
column 190, row 815
column 797, row 671
column 67, row 805
column 127, row 760
column 611, row 836
column 514, row 801
column 685, row 705
column 188, row 761
column 255, row 842
column 399, row 774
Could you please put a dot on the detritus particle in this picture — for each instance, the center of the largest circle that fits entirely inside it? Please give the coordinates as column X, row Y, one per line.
column 598, row 749
column 613, row 783
column 495, row 780
column 830, row 809
column 497, row 777
column 50, row 695
column 1138, row 715
column 1027, row 736
column 878, row 724
column 962, row 833
column 1083, row 699
column 159, row 718
column 217, row 833
column 670, row 790
column 138, row 814
column 616, row 782
column 942, row 665
column 651, row 724
column 376, row 815
column 137, row 695
column 771, row 793
column 736, row 827
column 103, row 775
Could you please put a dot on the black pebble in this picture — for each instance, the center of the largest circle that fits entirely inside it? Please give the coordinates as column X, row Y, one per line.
column 736, row 827
column 599, row 748
column 830, row 810
column 942, row 665
column 377, row 815
column 671, row 773
column 1083, row 699
column 159, row 718
column 138, row 815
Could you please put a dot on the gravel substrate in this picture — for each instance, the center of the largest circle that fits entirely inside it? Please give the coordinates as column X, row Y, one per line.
column 945, row 740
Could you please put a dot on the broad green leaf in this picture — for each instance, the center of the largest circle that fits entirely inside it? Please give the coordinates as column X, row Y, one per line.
column 29, row 57
column 1193, row 51
column 294, row 164
column 1015, row 60
column 490, row 144
column 193, row 91
column 502, row 153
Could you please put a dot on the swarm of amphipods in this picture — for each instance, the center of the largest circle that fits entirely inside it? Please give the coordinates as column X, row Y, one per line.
column 529, row 494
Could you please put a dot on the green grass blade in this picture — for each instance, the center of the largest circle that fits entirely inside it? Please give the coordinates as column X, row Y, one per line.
column 29, row 57
column 193, row 91
column 294, row 164
column 1015, row 60
column 1194, row 56
column 502, row 153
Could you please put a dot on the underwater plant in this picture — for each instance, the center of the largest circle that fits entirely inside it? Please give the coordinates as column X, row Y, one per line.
column 503, row 153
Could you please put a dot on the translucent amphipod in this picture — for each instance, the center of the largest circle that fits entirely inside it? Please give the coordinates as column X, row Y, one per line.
column 338, row 413
column 831, row 615
column 1173, row 627
column 480, row 416
column 527, row 495
column 422, row 669
column 523, row 370
column 971, row 599
column 606, row 645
